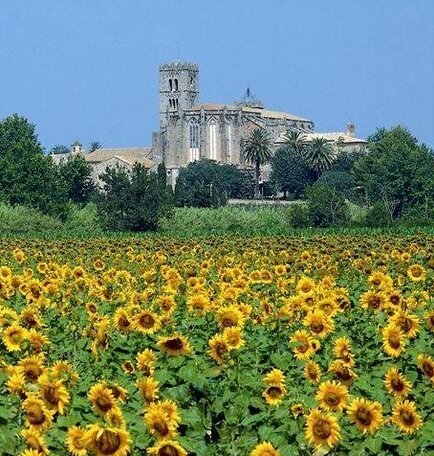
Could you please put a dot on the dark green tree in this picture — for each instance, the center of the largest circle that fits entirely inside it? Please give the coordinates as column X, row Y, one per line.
column 318, row 155
column 60, row 149
column 257, row 149
column 28, row 177
column 295, row 140
column 396, row 172
column 289, row 172
column 133, row 201
column 205, row 183
column 76, row 174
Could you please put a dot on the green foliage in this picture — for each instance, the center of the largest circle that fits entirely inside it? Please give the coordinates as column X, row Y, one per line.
column 326, row 207
column 397, row 171
column 341, row 181
column 289, row 172
column 345, row 160
column 257, row 149
column 94, row 146
column 318, row 155
column 76, row 175
column 28, row 177
column 299, row 216
column 133, row 202
column 206, row 183
column 60, row 149
column 377, row 216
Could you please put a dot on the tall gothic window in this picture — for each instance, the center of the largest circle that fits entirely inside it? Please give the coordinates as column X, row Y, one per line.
column 194, row 141
column 212, row 129
column 176, row 85
column 170, row 85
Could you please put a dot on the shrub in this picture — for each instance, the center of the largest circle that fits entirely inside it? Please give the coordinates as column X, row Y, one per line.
column 299, row 216
column 341, row 181
column 133, row 202
column 326, row 207
column 377, row 216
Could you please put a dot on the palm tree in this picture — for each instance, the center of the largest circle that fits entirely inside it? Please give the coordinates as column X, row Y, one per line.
column 318, row 155
column 257, row 149
column 295, row 139
column 94, row 146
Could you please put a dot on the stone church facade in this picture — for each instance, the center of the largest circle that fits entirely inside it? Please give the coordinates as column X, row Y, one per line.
column 190, row 130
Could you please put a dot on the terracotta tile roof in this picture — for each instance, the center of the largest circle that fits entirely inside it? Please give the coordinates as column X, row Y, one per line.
column 129, row 155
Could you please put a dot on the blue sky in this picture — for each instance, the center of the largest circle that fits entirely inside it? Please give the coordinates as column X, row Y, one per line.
column 88, row 71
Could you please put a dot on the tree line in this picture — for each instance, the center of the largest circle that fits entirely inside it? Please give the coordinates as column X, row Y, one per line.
column 391, row 180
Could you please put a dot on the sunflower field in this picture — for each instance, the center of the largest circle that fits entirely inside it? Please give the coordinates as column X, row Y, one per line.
column 221, row 346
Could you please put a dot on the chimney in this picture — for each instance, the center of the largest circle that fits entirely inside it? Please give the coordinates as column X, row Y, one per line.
column 76, row 148
column 351, row 130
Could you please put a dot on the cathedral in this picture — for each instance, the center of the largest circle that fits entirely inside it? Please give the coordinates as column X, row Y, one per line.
column 191, row 130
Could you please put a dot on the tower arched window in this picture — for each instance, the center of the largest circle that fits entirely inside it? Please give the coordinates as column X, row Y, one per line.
column 170, row 85
column 212, row 138
column 176, row 85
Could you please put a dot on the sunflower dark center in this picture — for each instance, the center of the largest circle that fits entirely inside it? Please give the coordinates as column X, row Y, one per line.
column 108, row 443
column 397, row 384
column 147, row 321
column 428, row 369
column 394, row 341
column 274, row 392
column 303, row 347
column 332, row 398
column 103, row 404
column 317, row 326
column 228, row 322
column 364, row 416
column 322, row 429
column 161, row 428
column 407, row 417
column 168, row 450
column 374, row 302
column 174, row 344
column 52, row 395
column 124, row 322
column 35, row 415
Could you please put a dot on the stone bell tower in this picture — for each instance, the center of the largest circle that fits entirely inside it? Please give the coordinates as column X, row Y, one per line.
column 179, row 88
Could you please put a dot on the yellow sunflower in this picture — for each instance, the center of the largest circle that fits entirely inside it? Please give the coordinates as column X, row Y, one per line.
column 159, row 424
column 101, row 398
column 198, row 303
column 393, row 341
column 396, row 384
column 228, row 316
column 234, row 337
column 406, row 322
column 13, row 336
column 218, row 348
column 146, row 322
column 416, row 273
column 305, row 285
column 312, row 372
column 322, row 429
column 429, row 319
column 148, row 388
column 373, row 300
column 39, row 418
column 332, row 396
column 35, row 441
column 53, row 393
column 76, row 441
column 108, row 441
column 274, row 394
column 122, row 320
column 343, row 372
column 426, row 365
column 16, row 383
column 342, row 350
column 264, row 449
column 146, row 361
column 167, row 448
column 366, row 415
column 303, row 349
column 405, row 417
column 175, row 345
column 319, row 323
